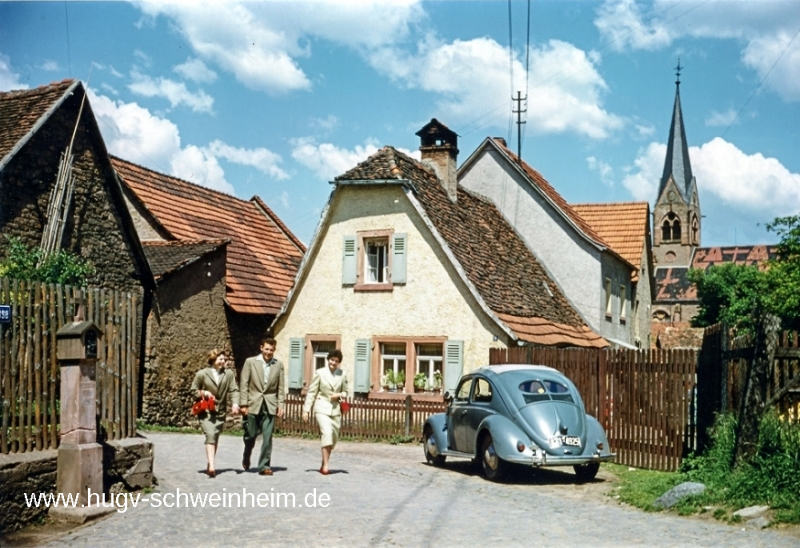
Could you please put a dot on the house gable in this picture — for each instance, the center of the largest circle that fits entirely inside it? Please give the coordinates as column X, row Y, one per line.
column 98, row 225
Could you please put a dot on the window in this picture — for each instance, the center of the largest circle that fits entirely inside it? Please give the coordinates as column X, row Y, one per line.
column 622, row 298
column 439, row 359
column 393, row 363
column 376, row 263
column 314, row 356
column 462, row 394
column 695, row 230
column 374, row 260
column 608, row 298
column 321, row 349
column 671, row 228
column 429, row 362
column 482, row 392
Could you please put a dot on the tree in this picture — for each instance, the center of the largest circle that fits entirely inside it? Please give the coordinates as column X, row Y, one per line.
column 62, row 267
column 784, row 271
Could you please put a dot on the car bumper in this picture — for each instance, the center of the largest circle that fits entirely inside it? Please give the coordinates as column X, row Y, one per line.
column 543, row 459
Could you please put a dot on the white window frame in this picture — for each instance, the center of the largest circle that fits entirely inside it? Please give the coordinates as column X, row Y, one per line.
column 623, row 295
column 374, row 273
column 430, row 362
column 609, row 309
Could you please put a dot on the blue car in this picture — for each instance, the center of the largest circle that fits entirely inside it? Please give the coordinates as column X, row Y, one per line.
column 523, row 414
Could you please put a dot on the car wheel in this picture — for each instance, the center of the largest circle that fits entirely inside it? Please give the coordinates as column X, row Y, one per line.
column 431, row 448
column 494, row 468
column 586, row 472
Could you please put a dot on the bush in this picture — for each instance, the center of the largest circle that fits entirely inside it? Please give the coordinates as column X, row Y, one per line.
column 771, row 477
column 62, row 267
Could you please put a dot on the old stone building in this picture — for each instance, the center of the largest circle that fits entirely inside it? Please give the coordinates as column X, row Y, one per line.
column 223, row 268
column 36, row 128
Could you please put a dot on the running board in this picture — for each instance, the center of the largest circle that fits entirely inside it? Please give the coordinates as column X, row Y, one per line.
column 459, row 454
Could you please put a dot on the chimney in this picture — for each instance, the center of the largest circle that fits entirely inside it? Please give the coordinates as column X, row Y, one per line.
column 439, row 148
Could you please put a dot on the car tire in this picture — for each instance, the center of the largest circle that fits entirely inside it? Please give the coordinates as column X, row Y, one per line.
column 494, row 468
column 586, row 472
column 428, row 443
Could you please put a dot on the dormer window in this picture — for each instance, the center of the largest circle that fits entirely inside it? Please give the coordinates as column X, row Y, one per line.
column 671, row 228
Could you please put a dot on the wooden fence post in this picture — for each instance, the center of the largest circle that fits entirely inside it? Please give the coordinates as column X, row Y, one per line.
column 408, row 416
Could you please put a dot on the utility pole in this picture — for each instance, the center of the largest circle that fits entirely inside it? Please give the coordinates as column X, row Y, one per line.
column 519, row 112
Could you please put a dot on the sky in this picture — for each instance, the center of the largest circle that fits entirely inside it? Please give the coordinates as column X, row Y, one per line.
column 277, row 98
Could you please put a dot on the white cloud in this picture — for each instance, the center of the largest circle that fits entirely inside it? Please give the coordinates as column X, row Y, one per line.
column 645, row 131
column 9, row 80
column 765, row 27
column 328, row 160
column 284, row 199
column 472, row 77
column 261, row 42
column 643, row 183
column 133, row 133
column 143, row 57
column 721, row 119
column 262, row 159
column 175, row 92
column 49, row 66
column 109, row 89
column 196, row 70
column 605, row 171
column 327, row 123
column 743, row 182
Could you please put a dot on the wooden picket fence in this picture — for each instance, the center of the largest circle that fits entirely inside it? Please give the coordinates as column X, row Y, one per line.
column 372, row 419
column 643, row 398
column 29, row 369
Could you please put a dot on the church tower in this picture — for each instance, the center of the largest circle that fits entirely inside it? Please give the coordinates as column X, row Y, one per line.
column 676, row 214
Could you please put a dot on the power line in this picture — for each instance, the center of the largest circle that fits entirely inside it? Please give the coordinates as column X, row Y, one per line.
column 466, row 129
column 761, row 83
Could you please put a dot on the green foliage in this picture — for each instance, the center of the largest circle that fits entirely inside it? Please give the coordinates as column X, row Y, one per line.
column 729, row 293
column 784, row 272
column 737, row 294
column 641, row 488
column 63, row 267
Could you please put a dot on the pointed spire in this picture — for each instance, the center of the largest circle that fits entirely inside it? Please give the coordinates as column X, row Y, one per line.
column 677, row 162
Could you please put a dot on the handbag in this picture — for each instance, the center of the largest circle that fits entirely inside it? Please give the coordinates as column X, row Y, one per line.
column 345, row 407
column 204, row 404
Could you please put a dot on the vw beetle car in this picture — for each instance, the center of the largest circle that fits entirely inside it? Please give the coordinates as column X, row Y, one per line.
column 524, row 414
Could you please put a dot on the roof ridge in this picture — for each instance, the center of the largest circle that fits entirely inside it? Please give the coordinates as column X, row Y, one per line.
column 182, row 181
column 185, row 241
column 39, row 90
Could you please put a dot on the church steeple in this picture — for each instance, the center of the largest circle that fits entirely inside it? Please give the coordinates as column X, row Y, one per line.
column 676, row 213
column 677, row 162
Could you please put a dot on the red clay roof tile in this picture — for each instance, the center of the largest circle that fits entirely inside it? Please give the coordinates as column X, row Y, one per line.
column 263, row 256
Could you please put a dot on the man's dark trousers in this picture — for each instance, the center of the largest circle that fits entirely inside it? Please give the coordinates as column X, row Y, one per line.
column 263, row 424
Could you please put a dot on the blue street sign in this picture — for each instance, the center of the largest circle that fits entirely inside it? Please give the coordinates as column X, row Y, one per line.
column 5, row 313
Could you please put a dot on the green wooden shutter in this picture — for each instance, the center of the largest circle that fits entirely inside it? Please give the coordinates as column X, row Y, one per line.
column 399, row 254
column 362, row 372
column 453, row 364
column 296, row 347
column 349, row 260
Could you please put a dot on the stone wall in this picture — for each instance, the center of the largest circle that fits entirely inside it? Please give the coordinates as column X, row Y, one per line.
column 128, row 464
column 95, row 228
column 188, row 319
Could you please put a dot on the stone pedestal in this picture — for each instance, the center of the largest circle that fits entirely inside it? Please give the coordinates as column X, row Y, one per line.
column 80, row 457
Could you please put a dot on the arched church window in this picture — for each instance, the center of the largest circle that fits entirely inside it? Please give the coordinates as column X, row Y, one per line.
column 695, row 230
column 671, row 228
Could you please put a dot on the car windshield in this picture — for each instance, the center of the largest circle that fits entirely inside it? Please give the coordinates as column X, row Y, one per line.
column 544, row 390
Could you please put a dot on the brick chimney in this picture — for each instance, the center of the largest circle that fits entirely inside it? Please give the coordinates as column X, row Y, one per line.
column 439, row 148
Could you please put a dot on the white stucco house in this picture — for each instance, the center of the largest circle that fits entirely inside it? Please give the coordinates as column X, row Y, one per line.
column 409, row 273
column 595, row 278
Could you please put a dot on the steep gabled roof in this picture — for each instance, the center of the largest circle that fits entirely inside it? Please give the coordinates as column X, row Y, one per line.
column 263, row 256
column 705, row 257
column 495, row 263
column 624, row 225
column 22, row 112
column 166, row 257
column 677, row 163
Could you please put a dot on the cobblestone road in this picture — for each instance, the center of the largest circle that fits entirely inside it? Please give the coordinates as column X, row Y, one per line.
column 385, row 495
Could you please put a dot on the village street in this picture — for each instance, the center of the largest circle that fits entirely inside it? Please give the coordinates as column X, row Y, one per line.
column 381, row 494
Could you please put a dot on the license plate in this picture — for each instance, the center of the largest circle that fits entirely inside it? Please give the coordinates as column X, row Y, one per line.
column 558, row 441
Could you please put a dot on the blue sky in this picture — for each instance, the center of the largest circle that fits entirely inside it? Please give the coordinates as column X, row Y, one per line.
column 276, row 99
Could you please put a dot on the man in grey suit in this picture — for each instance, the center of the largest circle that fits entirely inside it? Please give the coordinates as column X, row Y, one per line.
column 261, row 398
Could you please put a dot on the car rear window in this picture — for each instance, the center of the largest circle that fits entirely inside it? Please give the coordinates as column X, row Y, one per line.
column 543, row 390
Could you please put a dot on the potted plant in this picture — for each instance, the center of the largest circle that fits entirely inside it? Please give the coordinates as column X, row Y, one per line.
column 386, row 381
column 420, row 382
column 391, row 380
column 437, row 382
column 400, row 380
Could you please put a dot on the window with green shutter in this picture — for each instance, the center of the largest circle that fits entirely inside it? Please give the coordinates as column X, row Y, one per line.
column 296, row 347
column 362, row 366
column 453, row 364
